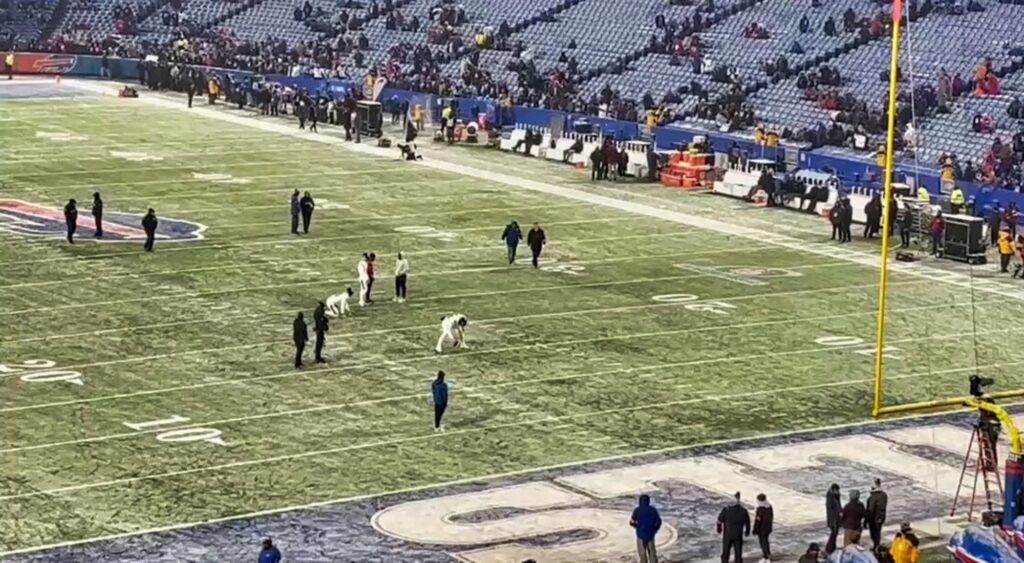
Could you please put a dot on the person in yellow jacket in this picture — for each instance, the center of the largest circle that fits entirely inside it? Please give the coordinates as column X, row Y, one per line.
column 1005, row 250
column 9, row 65
column 213, row 88
column 948, row 174
column 905, row 546
column 956, row 201
column 880, row 156
column 922, row 195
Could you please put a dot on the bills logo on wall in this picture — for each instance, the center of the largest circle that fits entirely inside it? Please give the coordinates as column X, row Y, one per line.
column 32, row 219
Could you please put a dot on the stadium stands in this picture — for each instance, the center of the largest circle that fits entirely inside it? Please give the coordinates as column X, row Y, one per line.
column 685, row 54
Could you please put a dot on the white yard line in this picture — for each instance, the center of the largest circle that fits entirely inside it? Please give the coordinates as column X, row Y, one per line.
column 485, row 351
column 361, row 188
column 535, row 206
column 148, row 167
column 245, row 289
column 413, row 254
column 565, row 377
column 822, row 249
column 428, row 298
column 294, row 240
column 15, row 162
column 190, row 180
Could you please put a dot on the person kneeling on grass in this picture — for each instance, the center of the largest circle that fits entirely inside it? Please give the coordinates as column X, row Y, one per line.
column 453, row 328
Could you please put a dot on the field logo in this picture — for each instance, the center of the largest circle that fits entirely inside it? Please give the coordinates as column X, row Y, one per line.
column 53, row 64
column 26, row 218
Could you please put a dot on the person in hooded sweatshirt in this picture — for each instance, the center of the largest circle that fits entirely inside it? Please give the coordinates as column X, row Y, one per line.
column 646, row 521
column 853, row 517
column 878, row 502
column 833, row 510
column 733, row 524
column 512, row 235
column 764, row 518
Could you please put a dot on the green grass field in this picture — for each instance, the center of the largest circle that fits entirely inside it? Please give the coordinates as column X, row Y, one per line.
column 638, row 334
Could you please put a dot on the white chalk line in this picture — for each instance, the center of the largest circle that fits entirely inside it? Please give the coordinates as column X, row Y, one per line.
column 300, row 240
column 193, row 180
column 576, row 312
column 428, row 298
column 246, row 289
column 564, row 377
column 276, row 263
column 293, row 374
column 434, row 435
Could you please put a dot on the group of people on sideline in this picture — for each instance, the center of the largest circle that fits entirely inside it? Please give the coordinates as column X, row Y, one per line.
column 734, row 525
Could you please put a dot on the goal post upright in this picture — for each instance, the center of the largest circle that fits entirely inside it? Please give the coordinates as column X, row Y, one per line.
column 883, row 276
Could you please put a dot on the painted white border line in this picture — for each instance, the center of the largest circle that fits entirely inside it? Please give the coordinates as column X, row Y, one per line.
column 411, row 254
column 566, row 377
column 245, row 289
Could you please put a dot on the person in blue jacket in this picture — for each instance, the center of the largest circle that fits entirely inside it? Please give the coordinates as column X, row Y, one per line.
column 646, row 521
column 512, row 235
column 296, row 208
column 269, row 553
column 439, row 393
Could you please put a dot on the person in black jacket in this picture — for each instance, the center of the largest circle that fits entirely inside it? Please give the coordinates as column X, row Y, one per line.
column 300, row 337
column 307, row 204
column 833, row 511
column 596, row 162
column 733, row 524
column 873, row 212
column 97, row 214
column 149, row 224
column 878, row 502
column 320, row 327
column 764, row 518
column 71, row 219
column 906, row 226
column 845, row 221
column 536, row 240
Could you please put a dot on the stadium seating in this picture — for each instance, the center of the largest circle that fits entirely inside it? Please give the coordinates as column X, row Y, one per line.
column 610, row 34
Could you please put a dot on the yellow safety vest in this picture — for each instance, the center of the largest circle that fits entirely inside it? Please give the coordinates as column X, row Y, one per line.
column 9, row 59
column 922, row 195
column 447, row 112
column 957, row 197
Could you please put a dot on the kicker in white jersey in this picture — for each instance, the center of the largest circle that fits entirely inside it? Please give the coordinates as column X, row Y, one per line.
column 453, row 329
column 337, row 305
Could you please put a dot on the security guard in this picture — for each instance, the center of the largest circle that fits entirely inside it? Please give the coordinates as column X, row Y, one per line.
column 956, row 201
column 922, row 195
column 9, row 64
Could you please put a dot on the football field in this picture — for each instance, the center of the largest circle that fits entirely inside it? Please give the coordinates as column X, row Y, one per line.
column 145, row 391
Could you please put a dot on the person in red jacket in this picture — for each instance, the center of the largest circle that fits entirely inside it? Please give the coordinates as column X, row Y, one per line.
column 937, row 227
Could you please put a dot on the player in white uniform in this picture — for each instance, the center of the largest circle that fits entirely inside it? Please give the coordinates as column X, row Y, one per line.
column 337, row 305
column 363, row 269
column 453, row 327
